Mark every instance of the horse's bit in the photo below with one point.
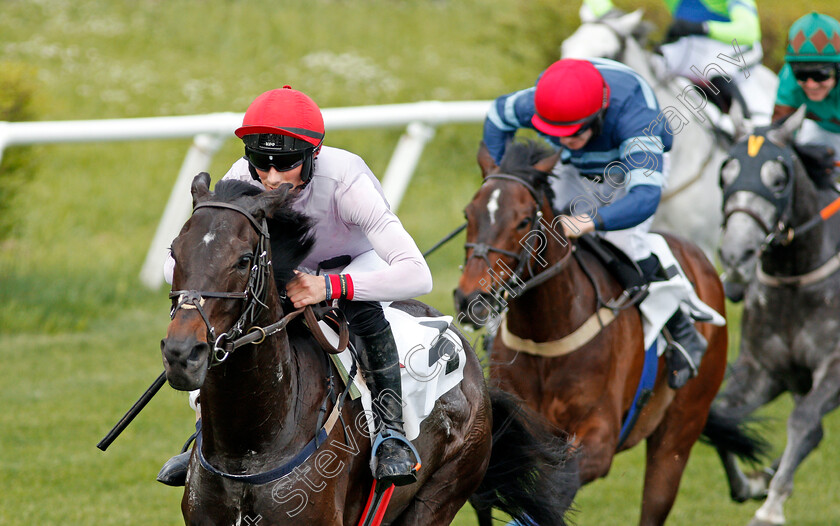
(254, 293)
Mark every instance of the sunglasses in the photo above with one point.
(282, 162)
(818, 74)
(595, 119)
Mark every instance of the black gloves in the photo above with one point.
(819, 163)
(683, 28)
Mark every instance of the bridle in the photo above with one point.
(524, 258)
(254, 293)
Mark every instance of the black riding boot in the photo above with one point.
(174, 472)
(394, 460)
(685, 350)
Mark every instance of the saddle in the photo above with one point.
(431, 357)
(629, 273)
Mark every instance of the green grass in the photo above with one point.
(78, 333)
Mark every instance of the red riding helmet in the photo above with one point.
(282, 128)
(571, 95)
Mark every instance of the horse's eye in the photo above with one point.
(524, 223)
(729, 171)
(244, 262)
(774, 177)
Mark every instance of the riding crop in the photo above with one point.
(131, 413)
(445, 239)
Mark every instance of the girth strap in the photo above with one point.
(565, 345)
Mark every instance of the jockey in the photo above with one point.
(701, 29)
(809, 76)
(283, 133)
(607, 121)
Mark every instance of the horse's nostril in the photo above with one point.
(197, 351)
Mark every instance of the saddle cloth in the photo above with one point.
(432, 362)
(665, 297)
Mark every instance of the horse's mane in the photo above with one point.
(519, 158)
(291, 231)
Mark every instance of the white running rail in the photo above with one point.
(210, 132)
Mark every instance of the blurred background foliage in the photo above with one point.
(79, 333)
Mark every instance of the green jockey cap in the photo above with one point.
(814, 38)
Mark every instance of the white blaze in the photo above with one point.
(493, 204)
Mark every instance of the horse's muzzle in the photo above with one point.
(185, 362)
(478, 308)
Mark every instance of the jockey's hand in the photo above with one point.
(576, 226)
(306, 289)
(683, 28)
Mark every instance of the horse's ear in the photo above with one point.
(626, 24)
(267, 203)
(743, 126)
(485, 160)
(784, 133)
(547, 165)
(200, 188)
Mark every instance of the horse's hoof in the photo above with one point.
(759, 522)
(759, 483)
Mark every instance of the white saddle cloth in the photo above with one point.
(665, 297)
(432, 362)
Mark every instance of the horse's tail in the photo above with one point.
(735, 435)
(532, 474)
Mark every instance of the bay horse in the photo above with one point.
(779, 242)
(588, 390)
(263, 407)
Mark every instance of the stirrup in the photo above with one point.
(396, 480)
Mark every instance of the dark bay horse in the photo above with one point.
(265, 453)
(776, 242)
(585, 391)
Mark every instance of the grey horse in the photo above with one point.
(775, 241)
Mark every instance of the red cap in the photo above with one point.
(569, 94)
(286, 112)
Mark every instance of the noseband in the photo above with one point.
(253, 295)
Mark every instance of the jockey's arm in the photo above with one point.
(638, 205)
(743, 25)
(407, 274)
(507, 114)
(642, 164)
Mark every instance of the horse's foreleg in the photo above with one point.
(805, 432)
(668, 449)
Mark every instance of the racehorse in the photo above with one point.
(777, 242)
(266, 388)
(589, 387)
(690, 202)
